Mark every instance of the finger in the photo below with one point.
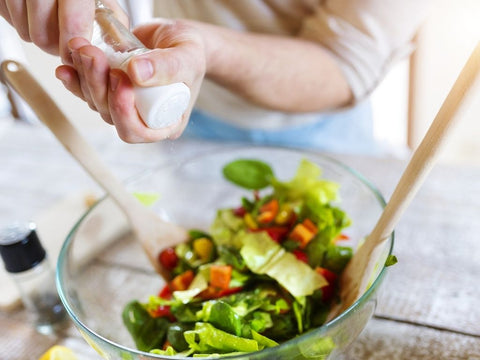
(75, 19)
(4, 12)
(43, 24)
(17, 17)
(130, 127)
(96, 76)
(121, 100)
(107, 118)
(178, 55)
(68, 76)
(75, 45)
(166, 66)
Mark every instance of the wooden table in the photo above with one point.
(430, 304)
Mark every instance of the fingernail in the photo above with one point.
(86, 61)
(114, 80)
(143, 69)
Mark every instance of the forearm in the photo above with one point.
(280, 73)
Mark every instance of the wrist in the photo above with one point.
(215, 46)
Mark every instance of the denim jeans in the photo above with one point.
(346, 131)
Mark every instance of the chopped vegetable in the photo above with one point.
(168, 258)
(391, 260)
(182, 281)
(220, 276)
(265, 272)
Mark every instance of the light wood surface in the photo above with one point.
(429, 305)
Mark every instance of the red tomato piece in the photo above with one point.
(165, 293)
(276, 233)
(168, 258)
(300, 255)
(240, 211)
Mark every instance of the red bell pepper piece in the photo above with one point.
(327, 290)
(163, 311)
(229, 291)
(341, 237)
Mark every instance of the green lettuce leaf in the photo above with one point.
(227, 229)
(205, 338)
(264, 256)
(307, 185)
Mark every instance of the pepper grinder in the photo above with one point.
(26, 261)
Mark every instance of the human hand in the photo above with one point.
(178, 56)
(50, 24)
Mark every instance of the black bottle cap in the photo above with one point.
(20, 247)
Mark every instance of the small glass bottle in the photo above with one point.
(26, 261)
(158, 106)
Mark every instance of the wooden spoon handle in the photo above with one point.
(50, 114)
(427, 152)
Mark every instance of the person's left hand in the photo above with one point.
(178, 56)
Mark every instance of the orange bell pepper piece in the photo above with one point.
(268, 212)
(304, 232)
(220, 276)
(182, 281)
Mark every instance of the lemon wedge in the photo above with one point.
(58, 352)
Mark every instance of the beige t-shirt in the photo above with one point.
(366, 37)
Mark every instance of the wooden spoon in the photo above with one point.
(153, 233)
(357, 275)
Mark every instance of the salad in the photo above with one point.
(265, 272)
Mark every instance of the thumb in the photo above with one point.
(177, 56)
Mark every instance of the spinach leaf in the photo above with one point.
(284, 327)
(223, 317)
(248, 173)
(175, 335)
(186, 312)
(147, 332)
(337, 257)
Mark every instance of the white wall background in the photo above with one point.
(445, 43)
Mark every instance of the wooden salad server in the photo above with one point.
(153, 232)
(357, 275)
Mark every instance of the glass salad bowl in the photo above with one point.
(102, 267)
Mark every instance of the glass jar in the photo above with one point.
(27, 263)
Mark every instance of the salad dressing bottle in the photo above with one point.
(159, 106)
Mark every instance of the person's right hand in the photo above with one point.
(50, 24)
